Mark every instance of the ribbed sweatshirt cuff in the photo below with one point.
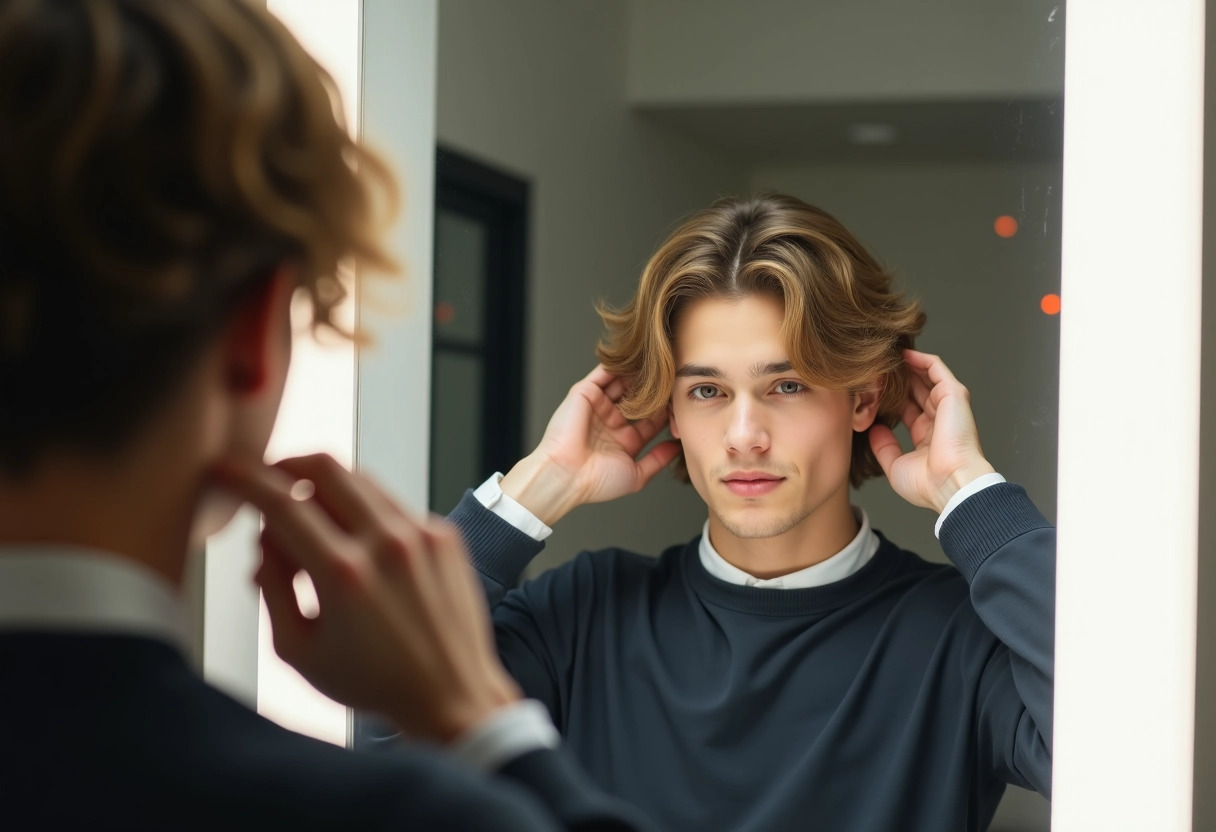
(499, 550)
(985, 522)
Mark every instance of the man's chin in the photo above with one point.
(758, 525)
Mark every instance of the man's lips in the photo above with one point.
(751, 483)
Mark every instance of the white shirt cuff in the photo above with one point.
(490, 495)
(974, 487)
(509, 733)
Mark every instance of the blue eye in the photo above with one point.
(790, 387)
(704, 391)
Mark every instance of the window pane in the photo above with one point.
(460, 268)
(456, 428)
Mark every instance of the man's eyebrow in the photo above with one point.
(698, 371)
(771, 368)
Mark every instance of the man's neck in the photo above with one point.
(822, 534)
(121, 506)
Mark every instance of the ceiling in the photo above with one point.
(1011, 130)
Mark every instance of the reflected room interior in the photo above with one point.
(589, 130)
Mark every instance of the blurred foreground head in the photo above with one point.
(160, 162)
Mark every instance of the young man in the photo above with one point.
(171, 173)
(789, 668)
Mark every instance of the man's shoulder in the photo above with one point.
(908, 571)
(156, 738)
(610, 567)
(629, 563)
(926, 596)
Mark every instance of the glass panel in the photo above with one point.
(456, 428)
(460, 268)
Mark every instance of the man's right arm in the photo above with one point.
(589, 453)
(401, 630)
(535, 627)
(502, 536)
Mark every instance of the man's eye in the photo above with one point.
(790, 387)
(704, 391)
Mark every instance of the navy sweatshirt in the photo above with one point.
(903, 697)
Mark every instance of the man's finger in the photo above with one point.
(647, 429)
(931, 365)
(615, 390)
(885, 446)
(288, 625)
(305, 531)
(600, 377)
(607, 410)
(454, 575)
(657, 458)
(333, 488)
(919, 390)
(354, 501)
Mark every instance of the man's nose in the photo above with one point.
(747, 431)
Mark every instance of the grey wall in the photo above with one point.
(538, 89)
(794, 51)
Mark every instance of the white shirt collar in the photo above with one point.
(838, 567)
(52, 587)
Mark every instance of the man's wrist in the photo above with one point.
(460, 714)
(965, 493)
(540, 487)
(958, 480)
(509, 732)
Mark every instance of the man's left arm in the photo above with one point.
(1006, 551)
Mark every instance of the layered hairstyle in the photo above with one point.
(158, 160)
(844, 325)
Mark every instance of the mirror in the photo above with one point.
(933, 131)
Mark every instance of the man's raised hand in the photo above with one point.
(589, 453)
(403, 628)
(946, 453)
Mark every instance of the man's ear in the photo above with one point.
(671, 421)
(865, 406)
(258, 335)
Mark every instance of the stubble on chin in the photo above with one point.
(762, 528)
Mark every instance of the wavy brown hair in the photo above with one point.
(158, 159)
(844, 324)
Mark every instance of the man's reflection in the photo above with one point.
(788, 667)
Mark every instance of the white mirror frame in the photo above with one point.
(1129, 416)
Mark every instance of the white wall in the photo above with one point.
(688, 52)
(537, 89)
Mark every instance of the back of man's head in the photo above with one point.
(158, 160)
(844, 324)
